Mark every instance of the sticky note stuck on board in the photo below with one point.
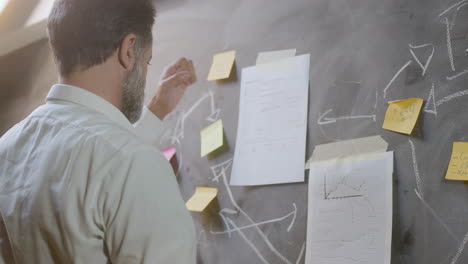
(403, 115)
(458, 166)
(221, 67)
(212, 138)
(169, 153)
(201, 198)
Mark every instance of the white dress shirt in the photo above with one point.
(77, 185)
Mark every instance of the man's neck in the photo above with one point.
(94, 80)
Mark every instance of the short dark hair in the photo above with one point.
(85, 33)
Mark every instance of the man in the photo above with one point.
(79, 183)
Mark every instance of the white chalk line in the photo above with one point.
(351, 117)
(301, 254)
(294, 218)
(434, 214)
(451, 78)
(179, 130)
(376, 99)
(329, 120)
(208, 95)
(320, 122)
(452, 7)
(255, 249)
(408, 63)
(419, 46)
(416, 169)
(462, 5)
(293, 213)
(224, 166)
(455, 15)
(451, 97)
(224, 218)
(431, 100)
(461, 247)
(449, 45)
(259, 231)
(352, 82)
(326, 136)
(426, 65)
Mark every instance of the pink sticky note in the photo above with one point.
(169, 153)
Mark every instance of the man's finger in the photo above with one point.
(192, 70)
(183, 65)
(175, 67)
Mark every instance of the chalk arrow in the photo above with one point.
(232, 229)
(428, 60)
(214, 116)
(329, 120)
(178, 133)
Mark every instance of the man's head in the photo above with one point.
(114, 36)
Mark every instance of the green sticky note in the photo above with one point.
(212, 138)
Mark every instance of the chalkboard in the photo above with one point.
(363, 54)
(361, 57)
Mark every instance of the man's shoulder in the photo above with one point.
(68, 122)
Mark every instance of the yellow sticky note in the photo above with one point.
(212, 138)
(201, 198)
(222, 65)
(458, 166)
(402, 115)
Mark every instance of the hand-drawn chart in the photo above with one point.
(350, 210)
(342, 186)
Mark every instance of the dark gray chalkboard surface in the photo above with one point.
(363, 54)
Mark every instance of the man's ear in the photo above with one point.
(126, 53)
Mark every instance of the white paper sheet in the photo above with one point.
(272, 56)
(350, 210)
(271, 135)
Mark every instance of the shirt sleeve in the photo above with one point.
(149, 127)
(145, 218)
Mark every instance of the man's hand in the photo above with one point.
(174, 81)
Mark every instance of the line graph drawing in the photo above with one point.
(342, 187)
(353, 227)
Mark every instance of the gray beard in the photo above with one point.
(133, 94)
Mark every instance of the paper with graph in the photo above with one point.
(350, 210)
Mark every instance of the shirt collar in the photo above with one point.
(76, 95)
